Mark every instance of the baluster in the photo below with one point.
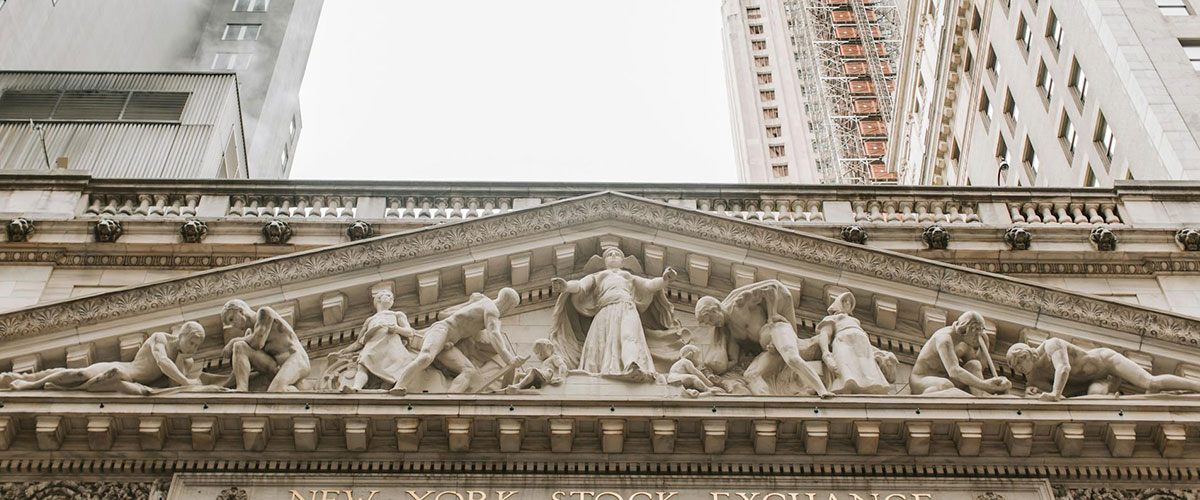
(923, 214)
(349, 206)
(1110, 214)
(905, 214)
(719, 206)
(393, 208)
(440, 207)
(860, 211)
(237, 207)
(287, 206)
(1077, 214)
(972, 215)
(472, 208)
(704, 205)
(126, 206)
(1031, 215)
(160, 205)
(939, 211)
(317, 207)
(505, 205)
(1045, 210)
(456, 208)
(333, 205)
(95, 206)
(1061, 214)
(814, 211)
(1094, 215)
(1016, 212)
(954, 216)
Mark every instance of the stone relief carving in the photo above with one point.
(774, 241)
(107, 230)
(163, 364)
(614, 323)
(193, 231)
(550, 370)
(1064, 493)
(359, 230)
(856, 366)
(936, 237)
(1188, 239)
(19, 229)
(685, 374)
(990, 496)
(454, 341)
(384, 345)
(951, 362)
(855, 234)
(759, 319)
(1018, 238)
(1104, 239)
(269, 346)
(233, 493)
(277, 232)
(1056, 369)
(79, 490)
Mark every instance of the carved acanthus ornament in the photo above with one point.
(1064, 493)
(80, 490)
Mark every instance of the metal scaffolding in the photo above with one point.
(845, 50)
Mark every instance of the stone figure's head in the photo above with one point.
(383, 300)
(708, 312)
(843, 303)
(1020, 358)
(543, 348)
(19, 229)
(613, 258)
(970, 327)
(689, 352)
(237, 314)
(887, 363)
(507, 299)
(191, 335)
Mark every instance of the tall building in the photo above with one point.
(1050, 93)
(265, 42)
(811, 85)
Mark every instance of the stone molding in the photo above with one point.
(84, 490)
(429, 241)
(1066, 493)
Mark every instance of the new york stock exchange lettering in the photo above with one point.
(372, 494)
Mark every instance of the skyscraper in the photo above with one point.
(811, 85)
(1050, 93)
(266, 42)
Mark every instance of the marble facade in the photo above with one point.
(861, 312)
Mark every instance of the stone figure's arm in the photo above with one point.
(574, 286)
(263, 326)
(495, 336)
(692, 369)
(1061, 360)
(158, 348)
(825, 333)
(651, 284)
(558, 369)
(945, 350)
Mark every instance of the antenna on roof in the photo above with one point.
(45, 152)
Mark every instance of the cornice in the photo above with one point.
(431, 241)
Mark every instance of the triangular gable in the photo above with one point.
(1039, 300)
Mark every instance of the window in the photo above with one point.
(292, 128)
(992, 64)
(1002, 152)
(779, 170)
(1068, 134)
(231, 60)
(1090, 180)
(976, 19)
(250, 5)
(753, 13)
(283, 159)
(241, 32)
(1105, 139)
(92, 105)
(1031, 158)
(1192, 49)
(985, 105)
(1045, 82)
(1024, 34)
(970, 61)
(1079, 82)
(1054, 31)
(1010, 108)
(1173, 8)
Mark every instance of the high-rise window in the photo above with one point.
(1173, 7)
(231, 60)
(1054, 31)
(1031, 158)
(1068, 134)
(1091, 180)
(1010, 108)
(1045, 82)
(985, 105)
(1024, 34)
(241, 32)
(1192, 49)
(1105, 139)
(992, 63)
(283, 159)
(1002, 152)
(250, 5)
(1079, 81)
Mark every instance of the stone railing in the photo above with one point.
(80, 196)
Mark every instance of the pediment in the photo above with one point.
(900, 296)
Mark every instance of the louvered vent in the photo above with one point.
(155, 106)
(28, 104)
(92, 105)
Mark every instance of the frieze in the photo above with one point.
(81, 490)
(436, 240)
(1064, 493)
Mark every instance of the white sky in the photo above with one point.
(522, 90)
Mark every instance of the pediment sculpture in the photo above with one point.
(612, 325)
